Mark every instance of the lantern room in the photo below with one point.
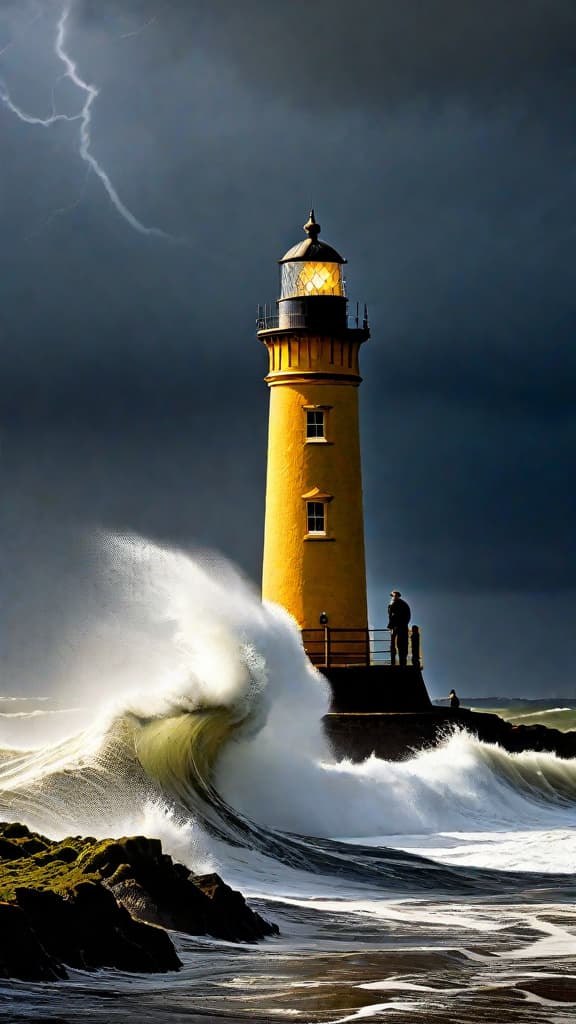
(312, 287)
(311, 267)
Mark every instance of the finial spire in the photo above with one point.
(311, 228)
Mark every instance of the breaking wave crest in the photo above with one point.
(207, 731)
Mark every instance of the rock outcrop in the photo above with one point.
(395, 736)
(156, 890)
(88, 903)
(21, 953)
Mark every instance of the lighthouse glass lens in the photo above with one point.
(301, 279)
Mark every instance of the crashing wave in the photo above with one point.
(214, 742)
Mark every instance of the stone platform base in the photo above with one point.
(377, 688)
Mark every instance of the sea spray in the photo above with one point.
(210, 713)
(177, 652)
(460, 785)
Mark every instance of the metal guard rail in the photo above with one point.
(328, 647)
(273, 321)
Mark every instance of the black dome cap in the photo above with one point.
(312, 249)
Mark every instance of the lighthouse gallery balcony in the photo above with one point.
(327, 647)
(269, 318)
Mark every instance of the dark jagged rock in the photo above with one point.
(87, 929)
(396, 736)
(228, 906)
(22, 955)
(15, 830)
(91, 903)
(157, 890)
(10, 851)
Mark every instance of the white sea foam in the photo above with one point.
(171, 636)
(464, 784)
(543, 711)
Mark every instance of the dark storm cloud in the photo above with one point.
(332, 54)
(436, 140)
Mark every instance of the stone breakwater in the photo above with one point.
(86, 903)
(395, 736)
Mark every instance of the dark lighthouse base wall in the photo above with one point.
(377, 688)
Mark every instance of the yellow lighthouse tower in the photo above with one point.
(314, 562)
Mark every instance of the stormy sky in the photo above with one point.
(436, 140)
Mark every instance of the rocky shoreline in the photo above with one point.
(86, 903)
(395, 736)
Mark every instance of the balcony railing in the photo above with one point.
(267, 320)
(327, 647)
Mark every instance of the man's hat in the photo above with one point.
(395, 593)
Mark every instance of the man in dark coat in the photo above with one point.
(398, 620)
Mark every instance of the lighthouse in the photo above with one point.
(314, 561)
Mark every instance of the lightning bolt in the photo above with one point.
(91, 93)
(44, 122)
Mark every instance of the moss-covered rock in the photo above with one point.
(91, 903)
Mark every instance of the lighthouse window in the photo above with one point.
(315, 423)
(316, 516)
(309, 278)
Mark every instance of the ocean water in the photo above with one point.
(553, 714)
(440, 889)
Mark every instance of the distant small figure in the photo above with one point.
(454, 699)
(398, 621)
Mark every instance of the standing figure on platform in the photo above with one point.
(398, 621)
(454, 700)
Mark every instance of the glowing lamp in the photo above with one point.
(311, 278)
